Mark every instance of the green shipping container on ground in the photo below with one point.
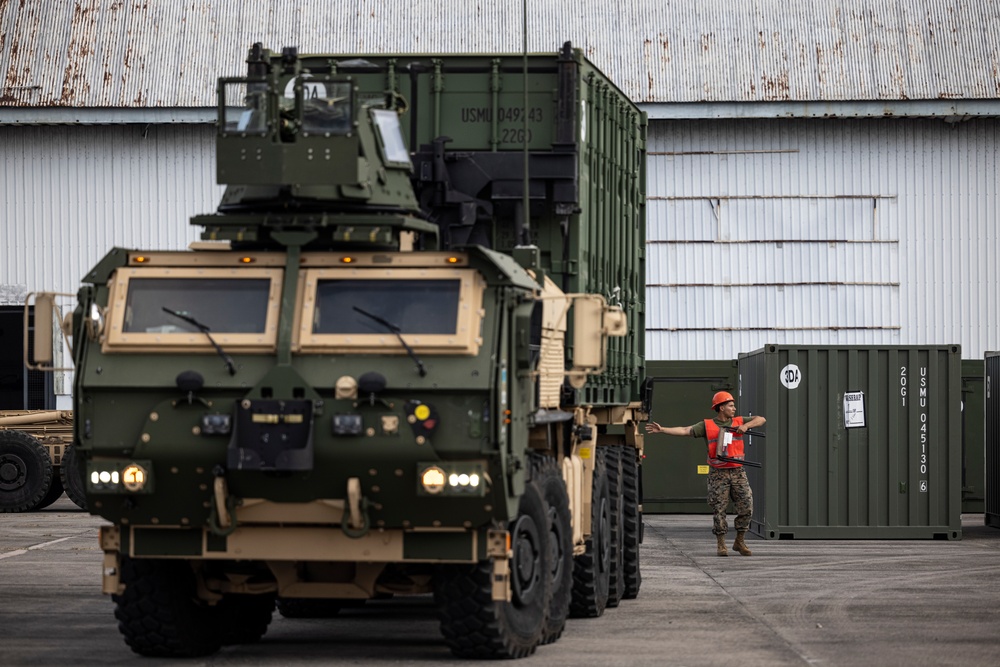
(861, 442)
(973, 436)
(675, 470)
(992, 462)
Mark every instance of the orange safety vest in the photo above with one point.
(735, 450)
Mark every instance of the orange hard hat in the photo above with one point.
(720, 398)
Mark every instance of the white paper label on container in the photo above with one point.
(854, 409)
(791, 376)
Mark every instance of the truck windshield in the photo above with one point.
(223, 305)
(326, 107)
(415, 306)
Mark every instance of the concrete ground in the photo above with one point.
(792, 603)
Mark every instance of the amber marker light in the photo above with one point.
(433, 480)
(347, 260)
(247, 260)
(452, 260)
(134, 477)
(141, 259)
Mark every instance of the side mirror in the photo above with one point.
(45, 307)
(593, 322)
(42, 308)
(588, 332)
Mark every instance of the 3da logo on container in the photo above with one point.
(791, 376)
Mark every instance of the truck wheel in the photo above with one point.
(55, 490)
(633, 522)
(159, 615)
(243, 619)
(473, 625)
(71, 475)
(25, 472)
(616, 583)
(546, 472)
(591, 570)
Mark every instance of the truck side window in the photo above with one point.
(390, 135)
(245, 108)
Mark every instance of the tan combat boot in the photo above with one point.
(722, 551)
(740, 545)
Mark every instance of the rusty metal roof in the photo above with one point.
(142, 54)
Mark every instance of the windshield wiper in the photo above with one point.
(396, 330)
(205, 330)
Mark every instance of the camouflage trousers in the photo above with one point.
(725, 484)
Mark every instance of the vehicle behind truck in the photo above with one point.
(391, 364)
(37, 460)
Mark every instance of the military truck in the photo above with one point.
(390, 365)
(37, 460)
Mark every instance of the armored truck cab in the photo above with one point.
(390, 365)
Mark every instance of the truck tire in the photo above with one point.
(548, 475)
(71, 475)
(633, 521)
(55, 490)
(473, 625)
(616, 582)
(25, 472)
(243, 619)
(159, 615)
(591, 570)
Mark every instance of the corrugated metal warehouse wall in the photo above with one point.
(765, 231)
(841, 232)
(69, 194)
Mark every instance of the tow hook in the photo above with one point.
(357, 522)
(221, 519)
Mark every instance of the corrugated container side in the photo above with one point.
(861, 442)
(752, 398)
(992, 511)
(973, 436)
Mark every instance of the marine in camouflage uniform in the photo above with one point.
(725, 484)
(726, 480)
(730, 484)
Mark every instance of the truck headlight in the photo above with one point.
(121, 476)
(461, 478)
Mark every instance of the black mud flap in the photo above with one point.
(272, 435)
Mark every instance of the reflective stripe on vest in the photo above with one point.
(712, 432)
